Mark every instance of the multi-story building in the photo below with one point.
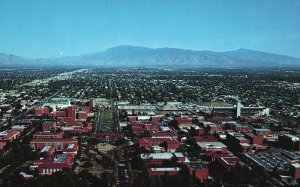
(8, 136)
(237, 111)
(289, 142)
(160, 158)
(170, 144)
(52, 164)
(183, 122)
(48, 135)
(199, 170)
(58, 143)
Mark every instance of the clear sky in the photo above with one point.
(52, 28)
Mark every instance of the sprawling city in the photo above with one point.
(149, 93)
(150, 127)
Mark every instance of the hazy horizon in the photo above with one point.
(93, 52)
(43, 29)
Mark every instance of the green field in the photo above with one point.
(107, 120)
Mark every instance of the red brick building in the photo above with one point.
(212, 147)
(262, 132)
(52, 164)
(49, 125)
(213, 128)
(141, 127)
(295, 170)
(200, 131)
(253, 138)
(160, 158)
(163, 134)
(228, 163)
(252, 120)
(132, 118)
(71, 149)
(170, 144)
(156, 118)
(76, 127)
(6, 136)
(241, 128)
(107, 136)
(183, 122)
(238, 143)
(71, 114)
(48, 135)
(9, 135)
(59, 143)
(199, 170)
(41, 111)
(205, 139)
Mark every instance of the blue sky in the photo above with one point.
(52, 28)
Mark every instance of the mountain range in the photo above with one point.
(135, 56)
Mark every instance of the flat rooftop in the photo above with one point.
(45, 149)
(231, 161)
(160, 155)
(165, 169)
(61, 158)
(196, 165)
(211, 144)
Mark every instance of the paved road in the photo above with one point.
(27, 134)
(122, 175)
(1, 171)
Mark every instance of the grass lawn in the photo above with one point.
(95, 169)
(107, 120)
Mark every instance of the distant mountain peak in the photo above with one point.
(122, 47)
(138, 56)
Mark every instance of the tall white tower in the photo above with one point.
(238, 108)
